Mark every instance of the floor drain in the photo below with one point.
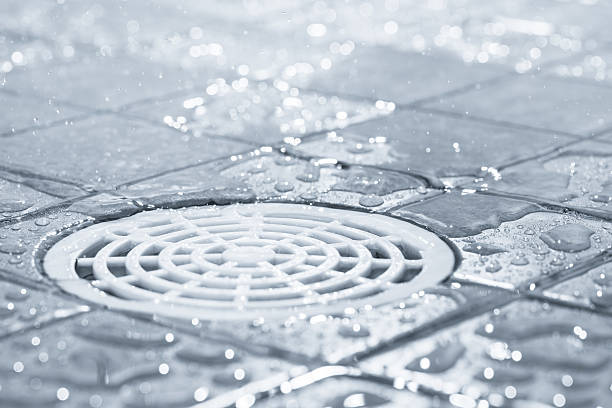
(248, 261)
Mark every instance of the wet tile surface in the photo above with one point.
(430, 143)
(119, 151)
(25, 113)
(415, 76)
(487, 125)
(536, 101)
(275, 112)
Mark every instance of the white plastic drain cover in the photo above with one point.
(248, 261)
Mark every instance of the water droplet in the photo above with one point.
(15, 260)
(17, 295)
(483, 249)
(257, 169)
(493, 266)
(310, 175)
(442, 358)
(568, 238)
(283, 187)
(231, 377)
(602, 297)
(41, 222)
(520, 260)
(504, 375)
(603, 279)
(541, 250)
(285, 161)
(13, 249)
(357, 399)
(371, 201)
(309, 196)
(601, 198)
(359, 148)
(11, 206)
(353, 330)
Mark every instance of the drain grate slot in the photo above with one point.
(247, 261)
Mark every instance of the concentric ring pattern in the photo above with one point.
(248, 261)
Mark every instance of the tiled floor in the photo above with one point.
(489, 124)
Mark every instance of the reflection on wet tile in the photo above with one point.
(17, 199)
(26, 306)
(22, 241)
(510, 358)
(26, 113)
(274, 176)
(537, 101)
(120, 361)
(585, 167)
(536, 245)
(337, 338)
(257, 112)
(460, 215)
(347, 392)
(116, 150)
(595, 66)
(414, 76)
(591, 289)
(123, 80)
(430, 143)
(533, 178)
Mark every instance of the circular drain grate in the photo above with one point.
(248, 261)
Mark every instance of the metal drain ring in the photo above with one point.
(248, 261)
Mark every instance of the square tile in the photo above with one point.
(526, 353)
(401, 77)
(575, 175)
(118, 355)
(18, 199)
(103, 82)
(25, 113)
(106, 150)
(431, 144)
(256, 112)
(508, 243)
(542, 102)
(273, 176)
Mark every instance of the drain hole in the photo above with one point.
(92, 250)
(367, 228)
(377, 253)
(118, 270)
(152, 250)
(375, 273)
(336, 288)
(148, 266)
(346, 264)
(409, 252)
(156, 223)
(84, 272)
(216, 221)
(301, 216)
(408, 275)
(347, 232)
(181, 237)
(282, 229)
(200, 216)
(123, 249)
(165, 231)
